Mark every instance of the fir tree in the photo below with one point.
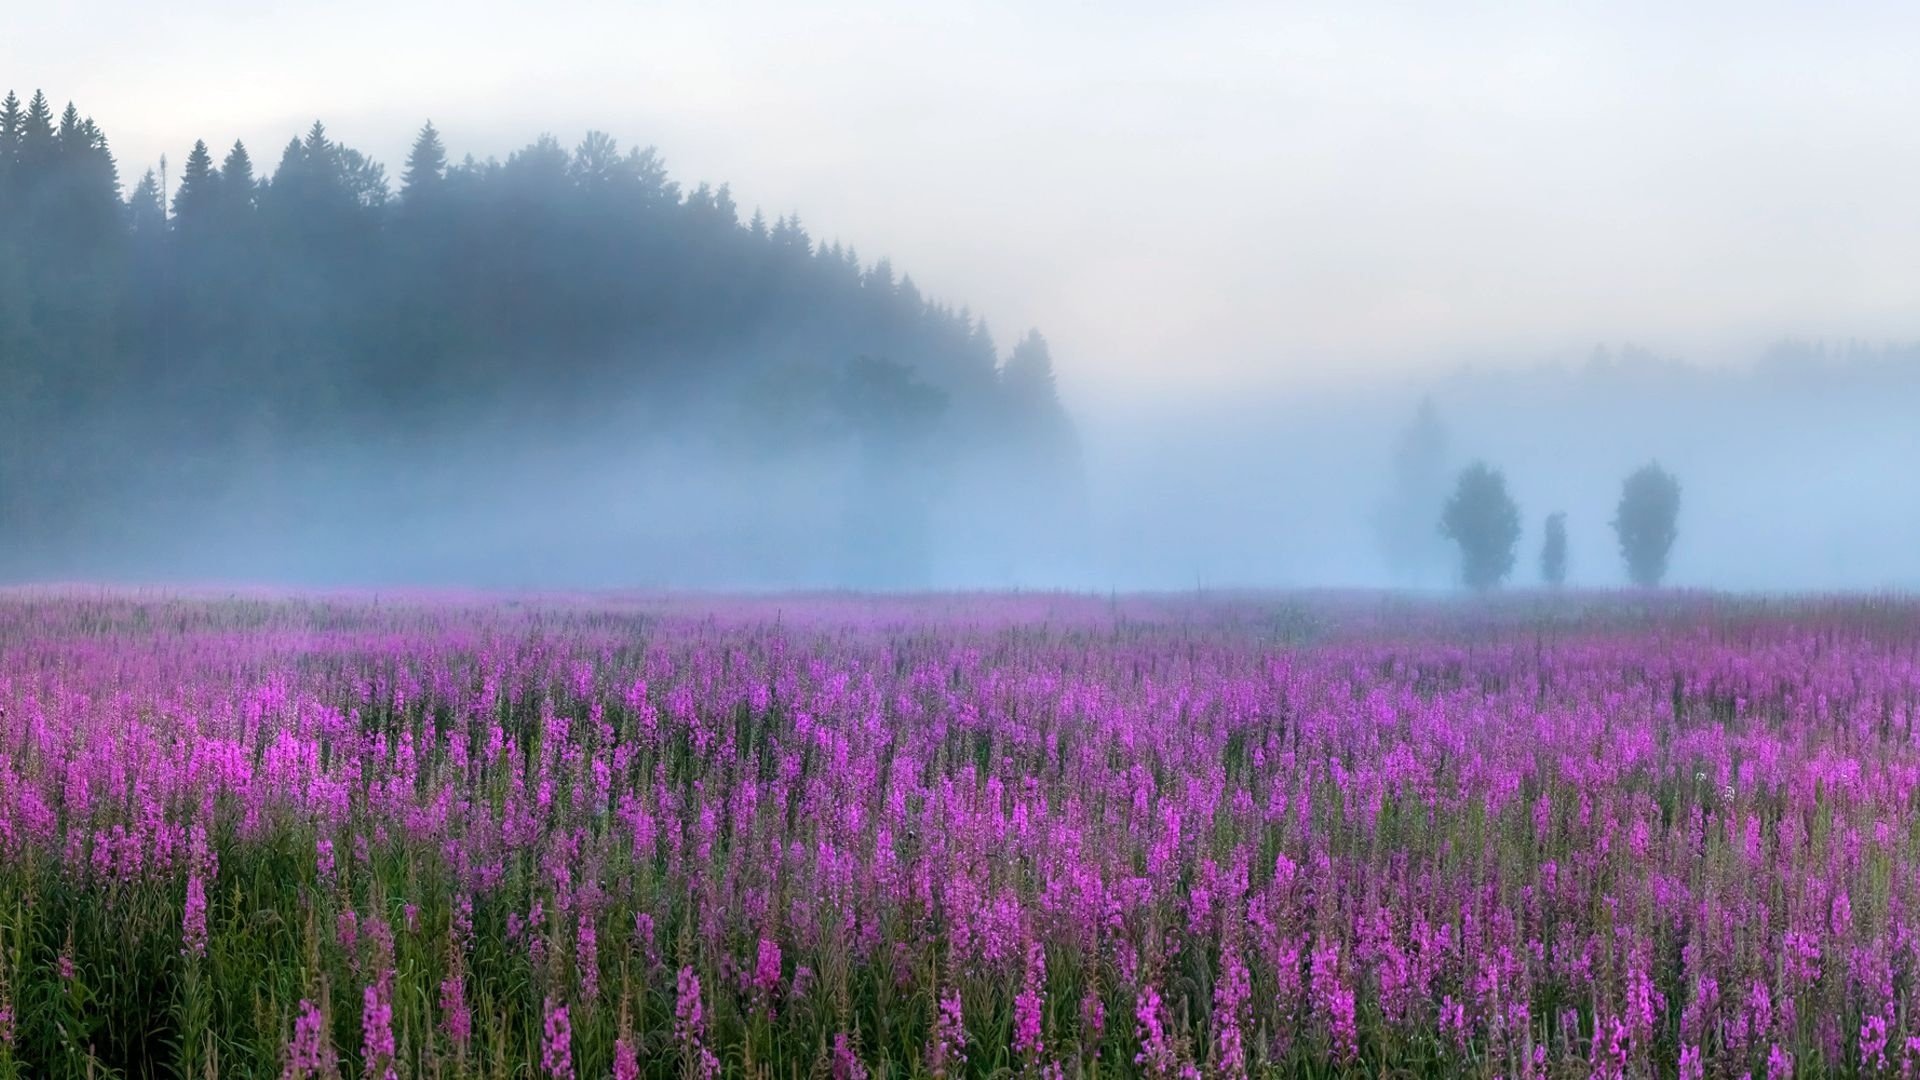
(37, 143)
(198, 196)
(426, 163)
(144, 214)
(12, 120)
(236, 179)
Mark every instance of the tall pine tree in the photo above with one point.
(426, 164)
(195, 204)
(236, 181)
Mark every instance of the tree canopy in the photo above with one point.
(1646, 523)
(1482, 519)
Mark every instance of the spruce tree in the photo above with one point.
(426, 164)
(12, 118)
(74, 140)
(144, 216)
(37, 145)
(199, 195)
(236, 179)
(1028, 374)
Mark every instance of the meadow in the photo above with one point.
(282, 835)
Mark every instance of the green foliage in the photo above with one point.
(1482, 519)
(1646, 523)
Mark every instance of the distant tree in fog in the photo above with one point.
(1404, 523)
(1039, 469)
(1553, 551)
(195, 202)
(1646, 523)
(426, 163)
(1483, 520)
(892, 414)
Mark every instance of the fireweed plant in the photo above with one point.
(1036, 836)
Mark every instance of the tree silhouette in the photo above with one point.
(144, 213)
(172, 367)
(36, 136)
(236, 172)
(891, 413)
(426, 163)
(1553, 551)
(1646, 523)
(1482, 519)
(1404, 523)
(195, 203)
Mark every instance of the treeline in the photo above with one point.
(170, 355)
(1802, 460)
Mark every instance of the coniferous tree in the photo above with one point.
(72, 136)
(303, 315)
(12, 119)
(144, 215)
(426, 163)
(195, 203)
(237, 182)
(36, 134)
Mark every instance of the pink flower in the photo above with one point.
(1028, 1006)
(377, 1048)
(690, 1026)
(556, 1047)
(1159, 1057)
(947, 1050)
(193, 921)
(586, 951)
(309, 1053)
(626, 1060)
(766, 969)
(1230, 997)
(846, 1064)
(456, 1018)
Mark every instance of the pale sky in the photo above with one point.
(1204, 195)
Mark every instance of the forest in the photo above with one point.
(316, 371)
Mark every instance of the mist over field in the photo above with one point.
(1797, 472)
(1153, 312)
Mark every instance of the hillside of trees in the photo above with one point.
(316, 371)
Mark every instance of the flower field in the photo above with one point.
(1049, 836)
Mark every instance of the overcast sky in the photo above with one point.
(1181, 195)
